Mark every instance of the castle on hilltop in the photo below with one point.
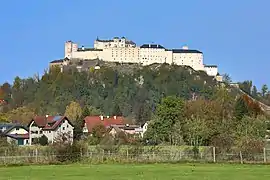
(123, 50)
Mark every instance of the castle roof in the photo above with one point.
(185, 51)
(100, 40)
(59, 60)
(89, 49)
(156, 46)
(210, 66)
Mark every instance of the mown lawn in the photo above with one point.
(137, 172)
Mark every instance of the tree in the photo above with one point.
(241, 108)
(225, 99)
(250, 134)
(264, 90)
(168, 112)
(98, 133)
(254, 92)
(43, 140)
(17, 92)
(3, 117)
(73, 111)
(85, 112)
(226, 79)
(246, 86)
(196, 130)
(136, 90)
(22, 115)
(94, 111)
(116, 110)
(203, 119)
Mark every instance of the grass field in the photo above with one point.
(137, 172)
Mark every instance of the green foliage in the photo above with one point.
(116, 110)
(168, 112)
(241, 108)
(66, 152)
(264, 90)
(93, 111)
(246, 86)
(254, 92)
(43, 140)
(85, 112)
(250, 134)
(135, 90)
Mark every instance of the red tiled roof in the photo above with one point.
(48, 123)
(2, 101)
(92, 121)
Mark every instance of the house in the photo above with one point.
(129, 129)
(50, 126)
(91, 121)
(15, 133)
(126, 128)
(144, 128)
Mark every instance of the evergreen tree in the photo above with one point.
(241, 108)
(116, 110)
(254, 92)
(264, 90)
(85, 112)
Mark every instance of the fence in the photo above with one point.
(133, 155)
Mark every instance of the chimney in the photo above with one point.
(114, 117)
(101, 118)
(185, 47)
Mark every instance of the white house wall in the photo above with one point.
(64, 127)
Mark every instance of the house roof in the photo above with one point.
(156, 46)
(126, 127)
(18, 136)
(15, 126)
(48, 123)
(92, 121)
(9, 127)
(2, 101)
(5, 126)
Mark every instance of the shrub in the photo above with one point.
(43, 140)
(69, 152)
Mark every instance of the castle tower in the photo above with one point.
(70, 47)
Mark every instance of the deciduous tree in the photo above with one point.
(73, 111)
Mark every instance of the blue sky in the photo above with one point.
(233, 34)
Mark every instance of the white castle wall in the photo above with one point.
(123, 50)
